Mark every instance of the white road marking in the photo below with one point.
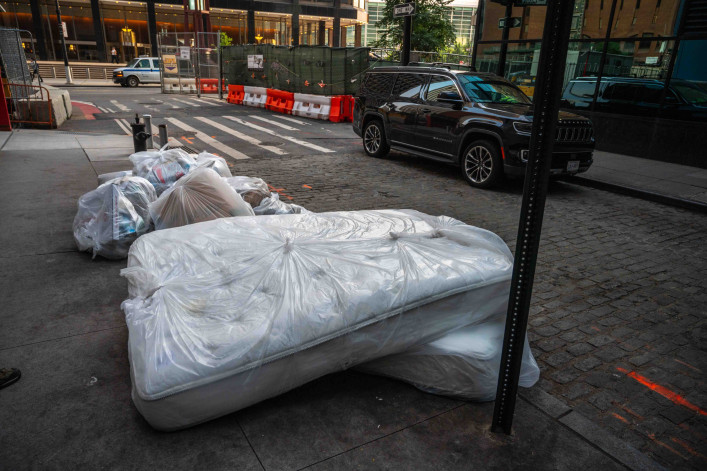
(102, 109)
(209, 140)
(240, 135)
(283, 126)
(185, 102)
(297, 121)
(110, 110)
(205, 102)
(124, 127)
(272, 133)
(121, 107)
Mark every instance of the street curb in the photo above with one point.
(675, 201)
(597, 436)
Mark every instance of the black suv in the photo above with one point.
(478, 121)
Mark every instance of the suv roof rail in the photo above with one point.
(441, 65)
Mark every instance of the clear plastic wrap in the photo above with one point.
(256, 193)
(200, 196)
(112, 216)
(162, 167)
(106, 177)
(230, 312)
(214, 162)
(463, 363)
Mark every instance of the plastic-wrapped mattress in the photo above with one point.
(238, 310)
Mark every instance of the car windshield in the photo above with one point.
(482, 91)
(133, 63)
(691, 94)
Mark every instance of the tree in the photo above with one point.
(226, 40)
(431, 28)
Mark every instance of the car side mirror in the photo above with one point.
(450, 97)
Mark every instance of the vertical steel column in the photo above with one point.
(501, 66)
(151, 26)
(63, 43)
(336, 30)
(321, 34)
(553, 56)
(99, 31)
(478, 31)
(41, 44)
(250, 26)
(407, 33)
(295, 23)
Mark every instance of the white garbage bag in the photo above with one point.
(112, 216)
(162, 167)
(214, 162)
(273, 205)
(200, 196)
(257, 193)
(463, 364)
(106, 177)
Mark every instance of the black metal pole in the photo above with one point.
(501, 67)
(63, 43)
(407, 33)
(553, 56)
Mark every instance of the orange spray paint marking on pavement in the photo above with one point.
(280, 191)
(688, 365)
(307, 186)
(687, 447)
(621, 418)
(596, 328)
(663, 391)
(666, 446)
(636, 415)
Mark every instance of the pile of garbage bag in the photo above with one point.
(257, 194)
(162, 167)
(112, 216)
(214, 162)
(200, 196)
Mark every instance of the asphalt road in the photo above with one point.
(618, 316)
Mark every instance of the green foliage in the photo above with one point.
(459, 48)
(226, 40)
(431, 28)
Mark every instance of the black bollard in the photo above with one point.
(139, 135)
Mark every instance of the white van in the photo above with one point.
(139, 70)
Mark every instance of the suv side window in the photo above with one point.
(439, 84)
(379, 84)
(583, 89)
(155, 63)
(143, 64)
(408, 86)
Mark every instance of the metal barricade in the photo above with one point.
(30, 104)
(186, 59)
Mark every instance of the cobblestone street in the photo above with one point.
(618, 317)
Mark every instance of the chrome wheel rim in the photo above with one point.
(372, 139)
(478, 164)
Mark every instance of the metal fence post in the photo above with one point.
(164, 139)
(147, 118)
(553, 56)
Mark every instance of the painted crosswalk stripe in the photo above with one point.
(186, 102)
(120, 106)
(110, 110)
(209, 140)
(273, 133)
(240, 135)
(283, 126)
(292, 120)
(123, 125)
(102, 109)
(205, 102)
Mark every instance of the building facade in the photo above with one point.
(459, 12)
(95, 27)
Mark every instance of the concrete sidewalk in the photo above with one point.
(63, 327)
(663, 178)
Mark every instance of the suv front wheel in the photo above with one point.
(374, 141)
(133, 81)
(481, 164)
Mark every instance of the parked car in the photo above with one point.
(641, 97)
(139, 70)
(478, 121)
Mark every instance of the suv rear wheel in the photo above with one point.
(374, 141)
(133, 81)
(481, 164)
